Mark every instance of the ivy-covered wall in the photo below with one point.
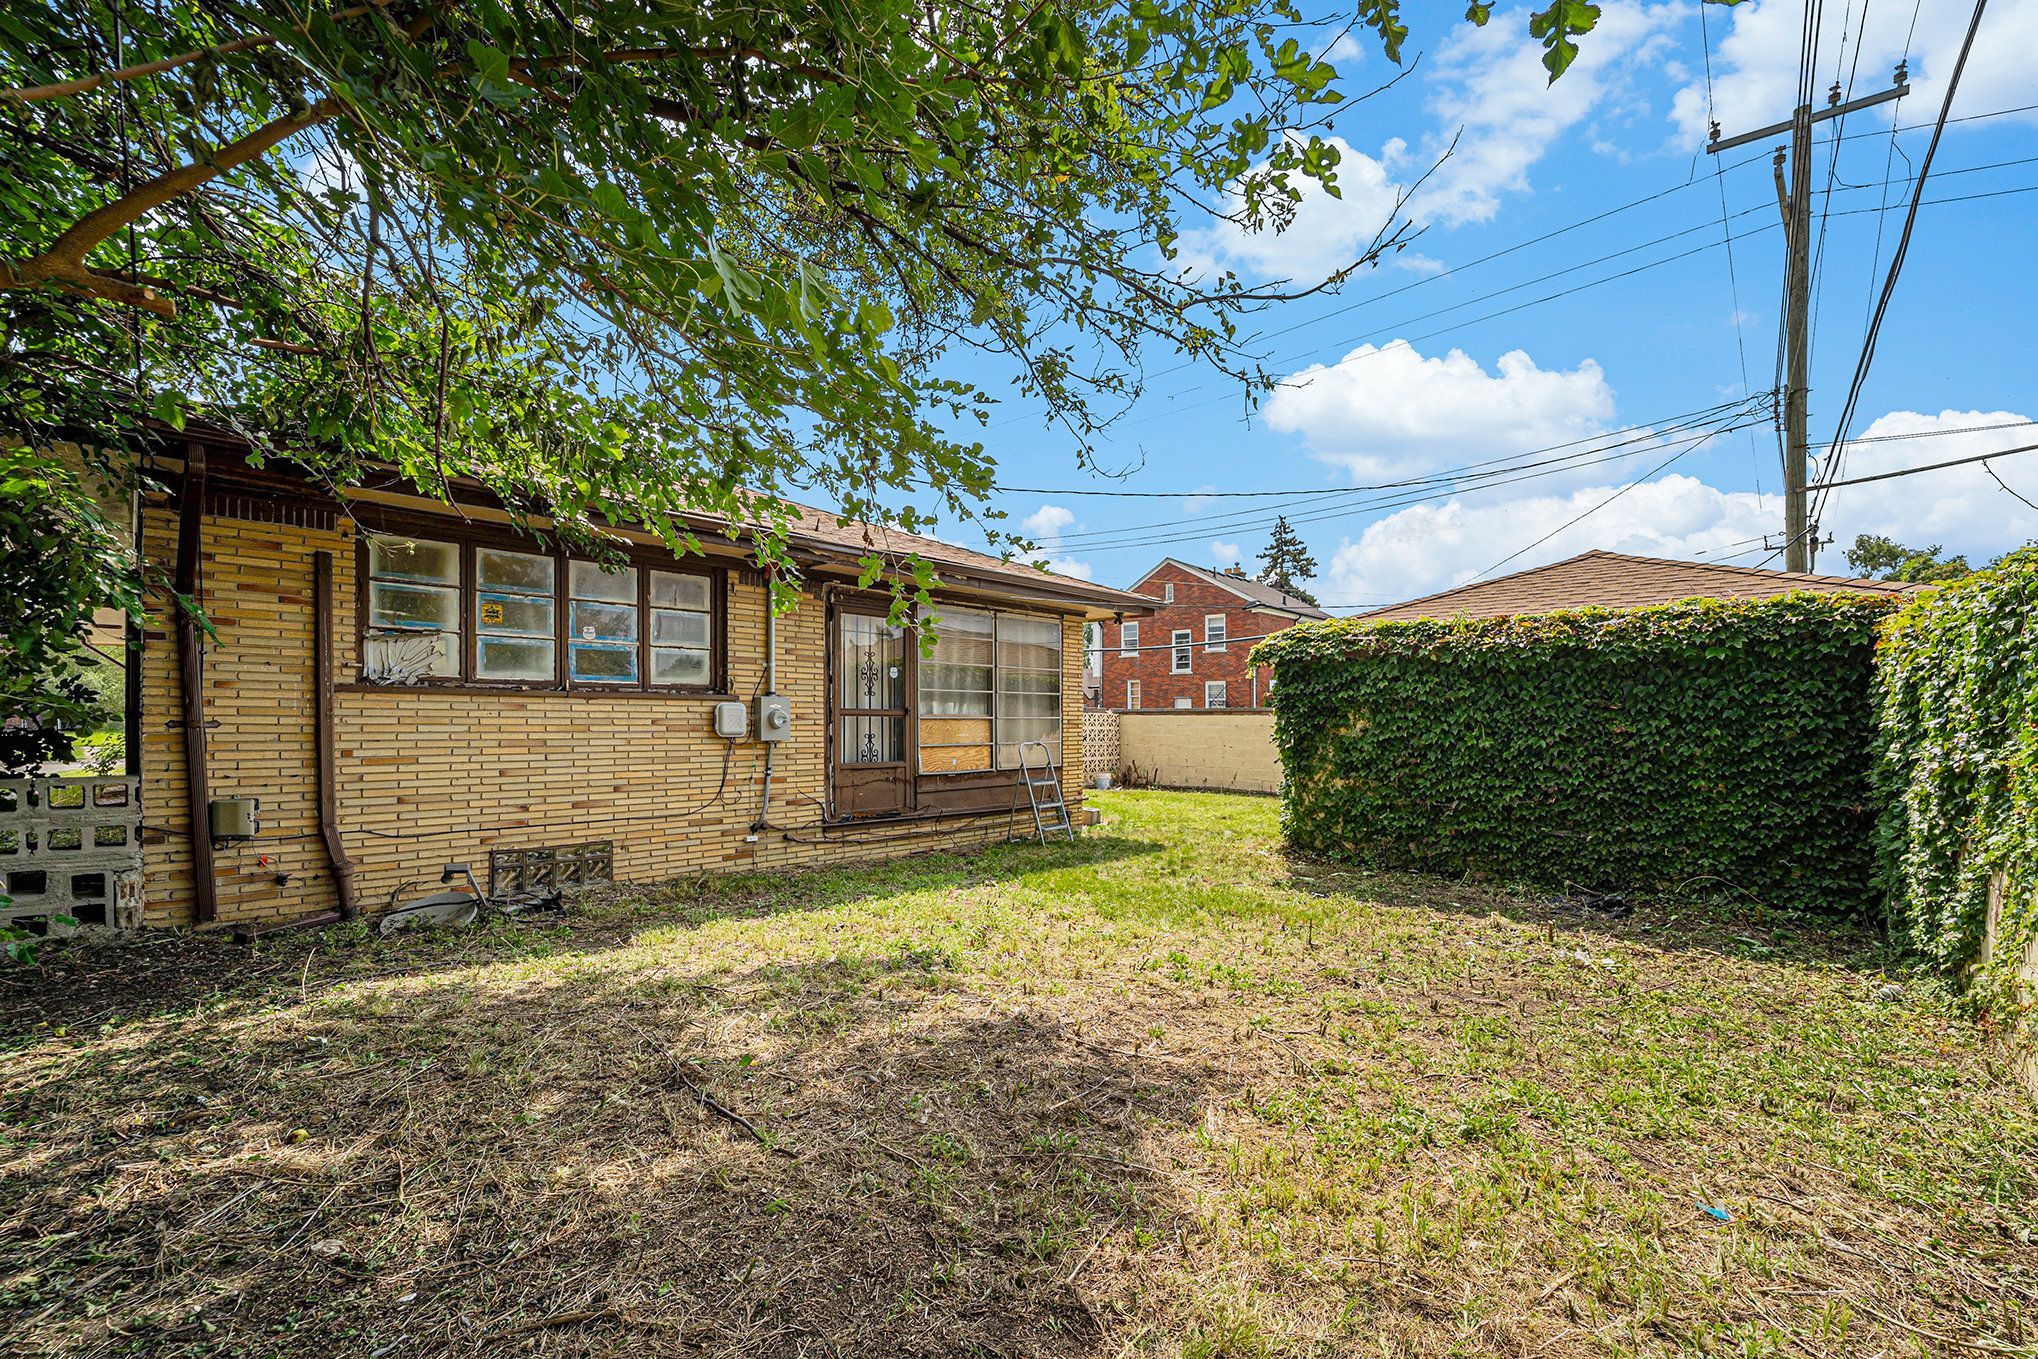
(1710, 745)
(1957, 778)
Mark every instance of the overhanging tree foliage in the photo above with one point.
(631, 259)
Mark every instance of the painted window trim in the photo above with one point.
(1223, 694)
(1182, 653)
(1132, 695)
(470, 542)
(1128, 639)
(1167, 592)
(1223, 633)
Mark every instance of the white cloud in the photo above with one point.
(1493, 85)
(1961, 508)
(1047, 522)
(1326, 234)
(1755, 63)
(1045, 527)
(1426, 548)
(1224, 554)
(1387, 408)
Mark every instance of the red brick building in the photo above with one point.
(1184, 655)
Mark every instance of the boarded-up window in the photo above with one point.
(956, 686)
(413, 609)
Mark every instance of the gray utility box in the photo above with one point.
(234, 818)
(732, 721)
(774, 718)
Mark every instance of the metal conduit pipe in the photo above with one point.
(770, 687)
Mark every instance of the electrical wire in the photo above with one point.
(1896, 264)
(1927, 467)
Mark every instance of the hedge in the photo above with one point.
(1715, 745)
(1957, 774)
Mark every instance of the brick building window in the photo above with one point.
(413, 610)
(1213, 694)
(1128, 639)
(1132, 694)
(1168, 593)
(1213, 632)
(1184, 652)
(424, 597)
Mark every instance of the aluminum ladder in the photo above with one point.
(1043, 794)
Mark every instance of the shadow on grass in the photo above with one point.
(511, 1160)
(1706, 921)
(160, 973)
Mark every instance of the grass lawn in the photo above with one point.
(1164, 1092)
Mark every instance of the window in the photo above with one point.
(1213, 694)
(1128, 639)
(1132, 694)
(413, 626)
(957, 682)
(601, 624)
(1185, 702)
(682, 629)
(1029, 685)
(1168, 593)
(1213, 632)
(1183, 652)
(1093, 648)
(536, 618)
(515, 624)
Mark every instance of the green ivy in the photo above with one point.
(1957, 701)
(1718, 746)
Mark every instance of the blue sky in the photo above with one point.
(1383, 385)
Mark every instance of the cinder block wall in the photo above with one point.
(425, 777)
(1201, 748)
(1101, 753)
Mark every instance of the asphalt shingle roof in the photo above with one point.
(1616, 580)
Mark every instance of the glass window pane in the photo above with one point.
(603, 622)
(678, 665)
(669, 627)
(871, 659)
(413, 559)
(516, 615)
(670, 590)
(873, 740)
(598, 664)
(590, 581)
(512, 572)
(413, 606)
(514, 658)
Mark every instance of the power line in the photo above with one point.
(1580, 518)
(1927, 467)
(1896, 260)
(1454, 270)
(1503, 474)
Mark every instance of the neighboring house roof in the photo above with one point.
(1257, 593)
(1616, 580)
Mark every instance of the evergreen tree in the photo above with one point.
(1286, 563)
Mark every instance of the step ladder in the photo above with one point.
(1043, 795)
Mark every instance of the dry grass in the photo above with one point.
(1162, 1093)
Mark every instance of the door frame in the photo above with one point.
(908, 767)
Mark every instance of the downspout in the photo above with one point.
(322, 728)
(770, 688)
(188, 581)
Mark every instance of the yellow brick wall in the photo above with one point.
(426, 777)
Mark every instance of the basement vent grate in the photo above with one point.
(560, 867)
(262, 509)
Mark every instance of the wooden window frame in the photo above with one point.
(469, 540)
(1132, 695)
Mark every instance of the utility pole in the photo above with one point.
(1795, 199)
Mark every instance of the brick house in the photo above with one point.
(393, 680)
(1183, 655)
